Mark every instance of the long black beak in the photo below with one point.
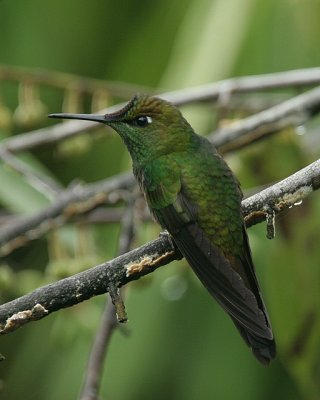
(87, 117)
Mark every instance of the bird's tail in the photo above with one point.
(263, 349)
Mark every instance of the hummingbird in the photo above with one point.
(193, 194)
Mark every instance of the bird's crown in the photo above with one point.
(139, 105)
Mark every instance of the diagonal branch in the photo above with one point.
(38, 180)
(76, 200)
(84, 285)
(147, 258)
(293, 112)
(283, 195)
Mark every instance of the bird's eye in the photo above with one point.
(143, 120)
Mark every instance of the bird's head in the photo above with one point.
(149, 126)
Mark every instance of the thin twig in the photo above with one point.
(90, 389)
(143, 260)
(246, 84)
(102, 339)
(76, 200)
(62, 80)
(209, 92)
(293, 112)
(49, 135)
(44, 184)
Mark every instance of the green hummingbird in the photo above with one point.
(193, 194)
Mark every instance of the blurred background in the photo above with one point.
(178, 344)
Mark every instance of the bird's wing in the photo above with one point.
(241, 301)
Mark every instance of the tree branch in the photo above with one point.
(283, 195)
(76, 200)
(246, 84)
(84, 285)
(43, 183)
(293, 112)
(63, 80)
(208, 92)
(144, 260)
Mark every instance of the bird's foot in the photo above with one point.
(270, 221)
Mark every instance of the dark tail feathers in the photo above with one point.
(263, 349)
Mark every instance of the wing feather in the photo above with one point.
(235, 287)
(222, 282)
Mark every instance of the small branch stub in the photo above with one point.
(118, 303)
(23, 317)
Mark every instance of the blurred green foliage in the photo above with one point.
(184, 348)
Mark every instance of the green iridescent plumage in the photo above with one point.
(193, 194)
